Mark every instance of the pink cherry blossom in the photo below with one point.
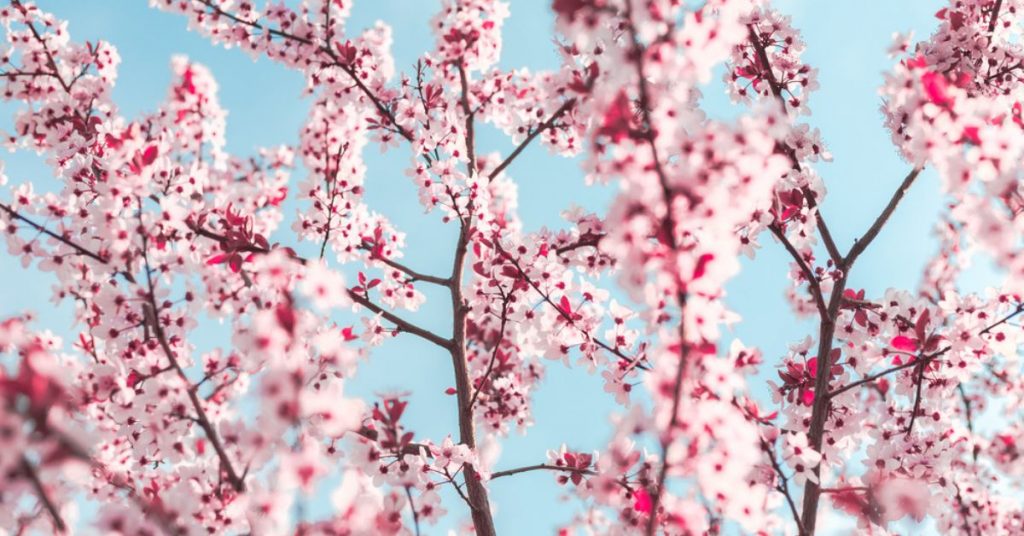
(902, 406)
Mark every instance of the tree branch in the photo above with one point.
(540, 467)
(325, 49)
(783, 486)
(399, 322)
(776, 88)
(867, 379)
(413, 274)
(548, 123)
(44, 498)
(995, 16)
(860, 245)
(812, 281)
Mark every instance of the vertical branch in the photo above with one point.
(668, 225)
(995, 16)
(477, 492)
(479, 502)
(152, 315)
(822, 402)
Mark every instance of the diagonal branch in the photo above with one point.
(399, 322)
(860, 245)
(540, 467)
(867, 379)
(44, 498)
(783, 485)
(812, 281)
(321, 48)
(79, 249)
(776, 88)
(548, 123)
(413, 274)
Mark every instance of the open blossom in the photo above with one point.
(801, 457)
(324, 287)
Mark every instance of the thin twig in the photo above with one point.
(783, 486)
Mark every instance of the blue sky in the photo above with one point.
(846, 42)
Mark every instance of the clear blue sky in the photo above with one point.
(846, 42)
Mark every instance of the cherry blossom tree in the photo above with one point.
(873, 416)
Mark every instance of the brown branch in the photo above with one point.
(783, 486)
(860, 245)
(42, 42)
(331, 183)
(412, 507)
(399, 322)
(822, 402)
(917, 397)
(812, 281)
(548, 123)
(480, 507)
(325, 49)
(413, 274)
(632, 361)
(66, 241)
(469, 122)
(236, 481)
(995, 16)
(826, 235)
(494, 353)
(925, 359)
(586, 240)
(540, 467)
(152, 315)
(776, 88)
(44, 498)
(873, 377)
